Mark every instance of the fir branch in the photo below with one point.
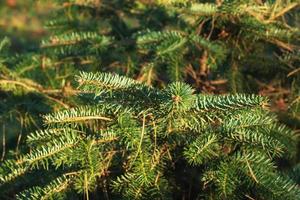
(206, 102)
(205, 147)
(49, 191)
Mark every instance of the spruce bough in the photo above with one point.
(133, 141)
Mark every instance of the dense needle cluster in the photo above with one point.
(133, 141)
(114, 137)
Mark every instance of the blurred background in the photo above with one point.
(22, 21)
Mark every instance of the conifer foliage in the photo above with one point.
(133, 141)
(123, 138)
(157, 42)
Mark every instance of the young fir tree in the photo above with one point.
(133, 141)
(244, 43)
(155, 42)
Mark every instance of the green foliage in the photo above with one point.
(50, 191)
(155, 42)
(125, 138)
(124, 141)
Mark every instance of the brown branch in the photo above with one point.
(45, 92)
(106, 140)
(219, 82)
(283, 11)
(283, 45)
(293, 72)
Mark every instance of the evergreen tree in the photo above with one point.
(133, 141)
(218, 146)
(242, 44)
(159, 41)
